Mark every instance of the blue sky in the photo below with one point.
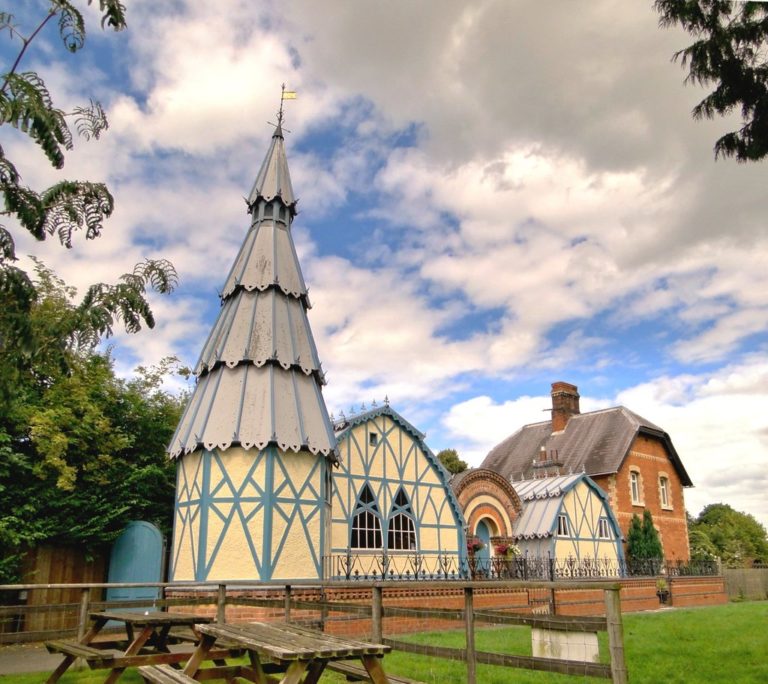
(493, 197)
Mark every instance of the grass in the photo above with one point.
(686, 646)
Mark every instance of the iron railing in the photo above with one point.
(417, 566)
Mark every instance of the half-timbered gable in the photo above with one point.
(390, 495)
(567, 517)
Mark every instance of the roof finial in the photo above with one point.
(284, 95)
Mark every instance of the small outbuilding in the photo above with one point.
(567, 517)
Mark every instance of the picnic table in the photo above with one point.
(297, 654)
(147, 637)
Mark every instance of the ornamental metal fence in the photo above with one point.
(418, 566)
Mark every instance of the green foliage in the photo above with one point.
(643, 541)
(67, 206)
(26, 104)
(730, 53)
(737, 538)
(450, 459)
(82, 452)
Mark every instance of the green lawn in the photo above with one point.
(707, 645)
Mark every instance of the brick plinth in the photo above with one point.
(636, 595)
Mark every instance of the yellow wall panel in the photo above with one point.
(296, 558)
(233, 559)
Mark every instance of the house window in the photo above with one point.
(366, 522)
(562, 525)
(373, 438)
(634, 484)
(664, 492)
(603, 530)
(401, 531)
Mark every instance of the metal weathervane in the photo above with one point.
(284, 95)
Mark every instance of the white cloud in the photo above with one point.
(717, 424)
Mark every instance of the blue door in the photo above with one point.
(484, 554)
(137, 556)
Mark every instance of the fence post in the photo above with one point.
(615, 635)
(221, 605)
(82, 619)
(469, 619)
(376, 611)
(287, 603)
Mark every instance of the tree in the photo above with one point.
(644, 551)
(82, 452)
(736, 537)
(729, 52)
(450, 459)
(67, 206)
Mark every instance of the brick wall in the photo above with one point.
(648, 456)
(636, 595)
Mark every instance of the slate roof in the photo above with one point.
(596, 443)
(541, 499)
(259, 374)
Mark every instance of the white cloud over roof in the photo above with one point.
(492, 197)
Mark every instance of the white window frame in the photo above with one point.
(603, 528)
(401, 528)
(665, 493)
(562, 526)
(366, 533)
(636, 487)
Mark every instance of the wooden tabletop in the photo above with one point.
(154, 617)
(285, 642)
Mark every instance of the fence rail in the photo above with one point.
(379, 606)
(416, 566)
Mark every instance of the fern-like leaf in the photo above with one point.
(7, 246)
(26, 104)
(71, 25)
(27, 205)
(114, 14)
(71, 205)
(8, 173)
(7, 23)
(159, 274)
(90, 121)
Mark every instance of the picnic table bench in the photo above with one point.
(355, 673)
(147, 637)
(296, 653)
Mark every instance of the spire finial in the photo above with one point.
(284, 95)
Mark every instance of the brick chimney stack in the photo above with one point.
(565, 403)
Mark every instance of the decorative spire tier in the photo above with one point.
(259, 375)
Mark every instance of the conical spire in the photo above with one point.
(273, 179)
(259, 374)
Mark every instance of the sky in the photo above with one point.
(493, 196)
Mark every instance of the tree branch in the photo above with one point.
(25, 44)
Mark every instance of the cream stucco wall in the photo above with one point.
(248, 514)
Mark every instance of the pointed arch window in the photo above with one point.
(401, 530)
(366, 522)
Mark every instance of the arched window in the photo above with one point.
(401, 531)
(366, 522)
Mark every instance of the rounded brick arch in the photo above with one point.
(483, 493)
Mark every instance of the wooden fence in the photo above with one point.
(746, 584)
(376, 604)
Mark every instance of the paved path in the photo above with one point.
(33, 658)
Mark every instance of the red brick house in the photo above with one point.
(629, 457)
